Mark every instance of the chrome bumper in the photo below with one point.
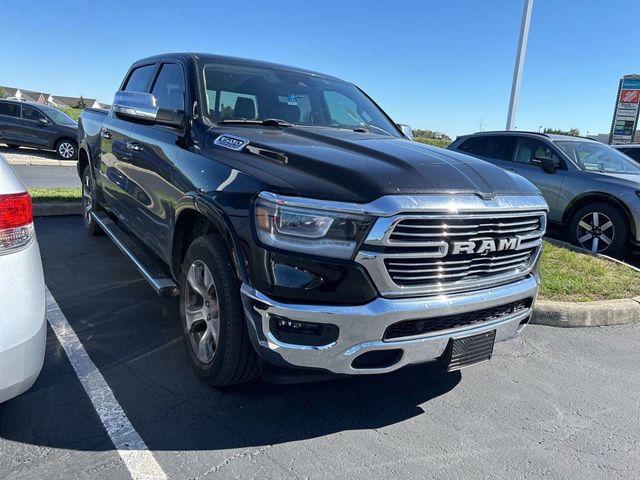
(362, 327)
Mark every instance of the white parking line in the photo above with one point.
(134, 452)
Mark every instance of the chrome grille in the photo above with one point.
(417, 271)
(411, 230)
(414, 255)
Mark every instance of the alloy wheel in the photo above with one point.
(202, 312)
(66, 150)
(595, 232)
(87, 201)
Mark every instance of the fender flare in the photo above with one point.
(216, 215)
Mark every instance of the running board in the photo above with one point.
(150, 266)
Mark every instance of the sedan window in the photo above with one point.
(488, 146)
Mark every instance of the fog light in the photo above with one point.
(302, 333)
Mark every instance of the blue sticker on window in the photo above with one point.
(293, 99)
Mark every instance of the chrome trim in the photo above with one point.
(136, 104)
(437, 202)
(373, 260)
(362, 327)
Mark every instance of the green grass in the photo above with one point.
(433, 141)
(576, 277)
(72, 112)
(55, 194)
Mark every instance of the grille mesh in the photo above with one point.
(410, 328)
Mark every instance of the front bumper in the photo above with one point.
(361, 328)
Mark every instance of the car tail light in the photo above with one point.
(16, 221)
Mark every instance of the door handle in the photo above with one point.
(135, 147)
(104, 133)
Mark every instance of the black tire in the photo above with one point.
(601, 228)
(89, 203)
(234, 359)
(67, 149)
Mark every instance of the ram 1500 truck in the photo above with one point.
(300, 226)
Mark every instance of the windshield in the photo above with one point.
(598, 157)
(58, 117)
(242, 92)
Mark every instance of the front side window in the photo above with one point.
(598, 157)
(528, 149)
(169, 88)
(9, 109)
(30, 113)
(140, 79)
(495, 147)
(245, 92)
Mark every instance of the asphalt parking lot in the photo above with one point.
(555, 403)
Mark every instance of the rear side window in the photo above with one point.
(140, 79)
(9, 109)
(30, 113)
(169, 88)
(496, 147)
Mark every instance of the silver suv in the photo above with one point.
(592, 189)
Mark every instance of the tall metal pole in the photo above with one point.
(517, 72)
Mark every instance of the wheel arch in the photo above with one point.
(593, 197)
(196, 216)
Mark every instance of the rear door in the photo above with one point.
(115, 155)
(153, 151)
(10, 123)
(38, 130)
(550, 184)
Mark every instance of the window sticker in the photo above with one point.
(293, 99)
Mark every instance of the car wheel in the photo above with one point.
(88, 203)
(67, 149)
(213, 322)
(600, 228)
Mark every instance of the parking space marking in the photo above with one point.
(134, 452)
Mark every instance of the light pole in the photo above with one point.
(517, 72)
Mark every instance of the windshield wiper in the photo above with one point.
(267, 122)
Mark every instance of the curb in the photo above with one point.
(623, 311)
(51, 209)
(586, 314)
(41, 162)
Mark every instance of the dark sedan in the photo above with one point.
(26, 124)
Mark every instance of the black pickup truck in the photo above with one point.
(300, 227)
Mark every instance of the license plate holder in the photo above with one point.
(466, 351)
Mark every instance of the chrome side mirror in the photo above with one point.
(135, 105)
(406, 130)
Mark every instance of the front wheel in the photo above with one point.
(213, 323)
(600, 228)
(67, 150)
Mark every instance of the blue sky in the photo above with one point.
(439, 65)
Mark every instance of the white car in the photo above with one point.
(23, 327)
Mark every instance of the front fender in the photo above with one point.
(221, 222)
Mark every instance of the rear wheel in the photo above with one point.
(88, 202)
(67, 149)
(213, 323)
(600, 228)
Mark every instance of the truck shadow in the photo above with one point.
(133, 337)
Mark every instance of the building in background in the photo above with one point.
(50, 99)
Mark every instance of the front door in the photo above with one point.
(153, 149)
(37, 130)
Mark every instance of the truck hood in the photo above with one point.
(360, 167)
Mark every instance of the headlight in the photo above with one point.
(308, 230)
